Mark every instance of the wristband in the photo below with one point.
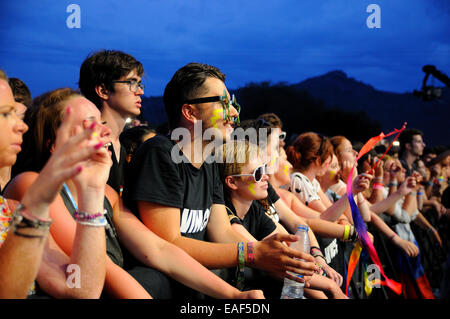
(22, 218)
(419, 193)
(87, 219)
(392, 237)
(241, 265)
(83, 216)
(353, 234)
(314, 248)
(377, 186)
(392, 184)
(346, 232)
(97, 222)
(250, 254)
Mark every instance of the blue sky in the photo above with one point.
(251, 41)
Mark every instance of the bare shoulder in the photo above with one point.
(19, 184)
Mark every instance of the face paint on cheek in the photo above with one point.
(251, 187)
(286, 170)
(332, 174)
(217, 116)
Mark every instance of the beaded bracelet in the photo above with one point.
(241, 265)
(85, 218)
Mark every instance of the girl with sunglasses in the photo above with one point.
(251, 205)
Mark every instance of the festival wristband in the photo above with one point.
(377, 186)
(250, 253)
(392, 237)
(241, 265)
(23, 219)
(97, 222)
(392, 184)
(346, 232)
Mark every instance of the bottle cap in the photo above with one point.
(302, 227)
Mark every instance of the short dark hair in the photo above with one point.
(103, 67)
(131, 138)
(20, 91)
(185, 84)
(272, 119)
(406, 137)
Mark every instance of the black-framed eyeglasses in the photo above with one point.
(258, 173)
(134, 85)
(225, 101)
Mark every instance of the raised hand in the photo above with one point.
(361, 183)
(64, 164)
(407, 186)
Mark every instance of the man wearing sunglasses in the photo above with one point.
(183, 202)
(112, 81)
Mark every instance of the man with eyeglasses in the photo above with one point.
(183, 202)
(112, 81)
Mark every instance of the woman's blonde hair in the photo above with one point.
(235, 155)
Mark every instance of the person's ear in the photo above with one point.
(408, 146)
(318, 161)
(102, 92)
(230, 182)
(189, 113)
(52, 147)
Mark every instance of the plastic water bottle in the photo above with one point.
(293, 289)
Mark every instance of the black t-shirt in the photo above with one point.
(258, 224)
(154, 177)
(116, 174)
(409, 170)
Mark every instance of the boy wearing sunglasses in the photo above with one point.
(183, 202)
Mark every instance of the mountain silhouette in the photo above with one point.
(337, 90)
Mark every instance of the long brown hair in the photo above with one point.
(308, 147)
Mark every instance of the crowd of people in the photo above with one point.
(92, 207)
